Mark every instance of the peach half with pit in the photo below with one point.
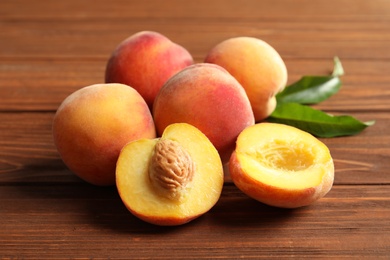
(92, 125)
(170, 180)
(145, 61)
(206, 96)
(257, 66)
(281, 165)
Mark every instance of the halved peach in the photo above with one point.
(281, 165)
(170, 180)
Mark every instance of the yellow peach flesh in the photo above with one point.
(289, 164)
(140, 196)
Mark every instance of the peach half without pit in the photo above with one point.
(170, 180)
(281, 165)
(92, 125)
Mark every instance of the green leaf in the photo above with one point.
(313, 89)
(310, 90)
(291, 109)
(317, 122)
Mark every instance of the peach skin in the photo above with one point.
(145, 61)
(257, 66)
(281, 165)
(92, 125)
(170, 180)
(209, 98)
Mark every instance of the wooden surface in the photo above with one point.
(48, 49)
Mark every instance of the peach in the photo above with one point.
(170, 180)
(257, 66)
(209, 98)
(145, 61)
(92, 125)
(281, 165)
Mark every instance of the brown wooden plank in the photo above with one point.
(42, 85)
(308, 39)
(82, 221)
(48, 49)
(28, 154)
(73, 29)
(203, 8)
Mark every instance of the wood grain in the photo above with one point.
(48, 49)
(28, 154)
(90, 222)
(43, 84)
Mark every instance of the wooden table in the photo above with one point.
(48, 49)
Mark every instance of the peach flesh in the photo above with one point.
(281, 166)
(140, 195)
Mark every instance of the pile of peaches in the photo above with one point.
(162, 129)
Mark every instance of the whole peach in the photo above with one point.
(209, 98)
(145, 61)
(257, 66)
(92, 125)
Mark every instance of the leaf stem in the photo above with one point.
(338, 69)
